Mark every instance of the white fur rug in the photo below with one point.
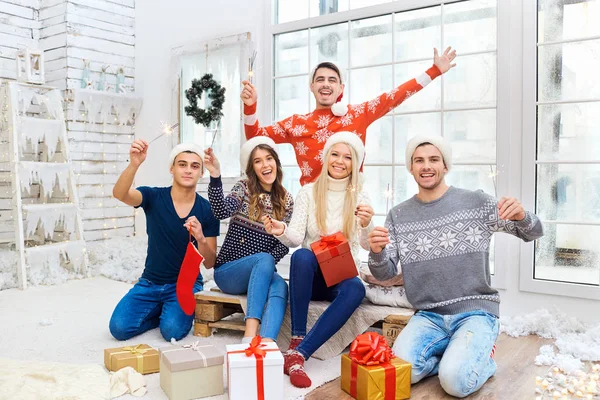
(68, 323)
(28, 380)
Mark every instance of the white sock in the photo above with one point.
(247, 339)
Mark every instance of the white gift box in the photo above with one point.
(243, 374)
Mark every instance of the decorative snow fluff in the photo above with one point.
(49, 215)
(575, 340)
(38, 130)
(120, 258)
(8, 269)
(103, 104)
(46, 174)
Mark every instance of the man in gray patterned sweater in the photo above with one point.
(441, 238)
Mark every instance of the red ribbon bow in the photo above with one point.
(370, 349)
(255, 348)
(330, 241)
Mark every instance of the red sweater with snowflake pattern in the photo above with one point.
(308, 133)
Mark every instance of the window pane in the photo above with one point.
(379, 141)
(568, 253)
(410, 125)
(291, 179)
(562, 68)
(569, 192)
(224, 63)
(286, 10)
(324, 7)
(354, 4)
(371, 41)
(291, 53)
(405, 186)
(472, 83)
(287, 156)
(429, 98)
(368, 83)
(472, 135)
(330, 43)
(291, 96)
(376, 184)
(418, 26)
(473, 177)
(569, 131)
(559, 21)
(470, 25)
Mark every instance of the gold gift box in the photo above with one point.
(143, 358)
(371, 380)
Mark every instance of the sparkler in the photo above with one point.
(388, 195)
(166, 130)
(493, 175)
(251, 61)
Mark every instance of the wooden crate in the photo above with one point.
(211, 311)
(393, 325)
(219, 310)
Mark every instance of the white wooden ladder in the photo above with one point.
(34, 115)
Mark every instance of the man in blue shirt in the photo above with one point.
(171, 212)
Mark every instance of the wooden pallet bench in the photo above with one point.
(222, 311)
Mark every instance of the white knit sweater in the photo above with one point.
(303, 229)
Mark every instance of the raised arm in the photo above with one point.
(278, 131)
(222, 207)
(123, 190)
(383, 104)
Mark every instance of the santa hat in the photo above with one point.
(250, 145)
(183, 147)
(349, 138)
(437, 141)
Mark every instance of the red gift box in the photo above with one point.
(335, 258)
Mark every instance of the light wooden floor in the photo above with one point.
(515, 377)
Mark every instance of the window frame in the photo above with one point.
(527, 282)
(505, 182)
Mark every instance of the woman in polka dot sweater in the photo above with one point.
(248, 256)
(335, 202)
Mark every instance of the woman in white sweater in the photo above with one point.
(334, 202)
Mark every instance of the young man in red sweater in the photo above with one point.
(308, 133)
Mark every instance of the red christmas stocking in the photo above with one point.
(190, 268)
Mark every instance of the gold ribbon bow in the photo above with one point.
(135, 350)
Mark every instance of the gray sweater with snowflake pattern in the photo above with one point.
(443, 249)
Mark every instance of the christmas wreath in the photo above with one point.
(217, 95)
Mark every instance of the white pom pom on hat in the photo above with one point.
(339, 109)
(183, 147)
(247, 148)
(351, 139)
(437, 141)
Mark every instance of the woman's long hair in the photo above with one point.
(278, 192)
(321, 188)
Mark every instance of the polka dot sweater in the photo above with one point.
(244, 236)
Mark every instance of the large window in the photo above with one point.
(383, 51)
(568, 141)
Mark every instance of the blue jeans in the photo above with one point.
(267, 291)
(306, 284)
(456, 347)
(147, 306)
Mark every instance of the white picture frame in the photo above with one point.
(30, 66)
